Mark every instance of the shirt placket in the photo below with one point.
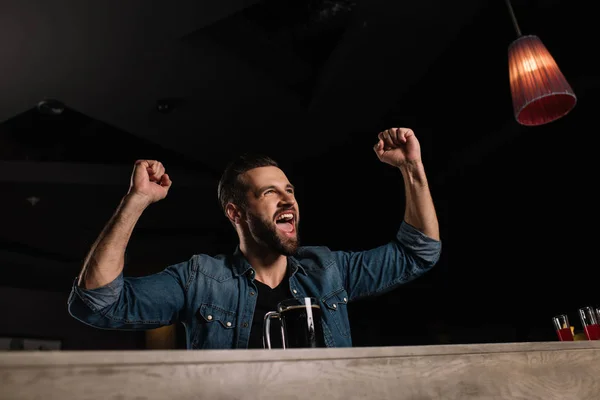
(247, 307)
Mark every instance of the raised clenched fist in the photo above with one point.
(149, 181)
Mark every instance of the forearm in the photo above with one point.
(419, 211)
(106, 258)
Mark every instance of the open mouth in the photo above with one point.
(286, 222)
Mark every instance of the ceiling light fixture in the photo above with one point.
(540, 92)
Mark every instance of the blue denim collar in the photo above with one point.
(241, 266)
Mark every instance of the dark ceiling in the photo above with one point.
(310, 83)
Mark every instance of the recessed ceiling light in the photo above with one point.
(33, 200)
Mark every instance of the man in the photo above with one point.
(222, 300)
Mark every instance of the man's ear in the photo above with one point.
(234, 213)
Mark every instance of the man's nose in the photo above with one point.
(288, 198)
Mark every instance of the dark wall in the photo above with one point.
(43, 315)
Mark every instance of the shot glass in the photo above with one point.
(589, 321)
(563, 329)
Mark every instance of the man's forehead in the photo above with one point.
(262, 176)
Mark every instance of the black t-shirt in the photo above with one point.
(267, 301)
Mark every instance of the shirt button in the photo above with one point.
(252, 293)
(334, 306)
(245, 324)
(345, 299)
(295, 291)
(209, 317)
(228, 324)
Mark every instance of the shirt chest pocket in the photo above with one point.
(336, 309)
(215, 327)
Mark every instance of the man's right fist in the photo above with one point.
(149, 181)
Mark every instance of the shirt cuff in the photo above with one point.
(99, 298)
(426, 247)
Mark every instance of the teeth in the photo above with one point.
(285, 217)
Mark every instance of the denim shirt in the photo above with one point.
(215, 297)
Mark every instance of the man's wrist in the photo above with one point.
(136, 201)
(413, 171)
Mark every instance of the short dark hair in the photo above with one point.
(232, 189)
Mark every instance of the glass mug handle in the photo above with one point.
(267, 329)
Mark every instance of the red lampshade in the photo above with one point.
(540, 92)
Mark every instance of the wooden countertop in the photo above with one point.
(545, 370)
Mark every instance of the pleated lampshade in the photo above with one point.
(540, 92)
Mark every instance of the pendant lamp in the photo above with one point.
(540, 92)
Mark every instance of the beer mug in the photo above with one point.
(300, 324)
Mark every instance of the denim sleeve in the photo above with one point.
(409, 255)
(134, 303)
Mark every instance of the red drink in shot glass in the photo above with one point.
(589, 321)
(563, 328)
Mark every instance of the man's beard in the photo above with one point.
(266, 233)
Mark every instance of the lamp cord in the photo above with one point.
(512, 16)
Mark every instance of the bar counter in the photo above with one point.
(532, 371)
